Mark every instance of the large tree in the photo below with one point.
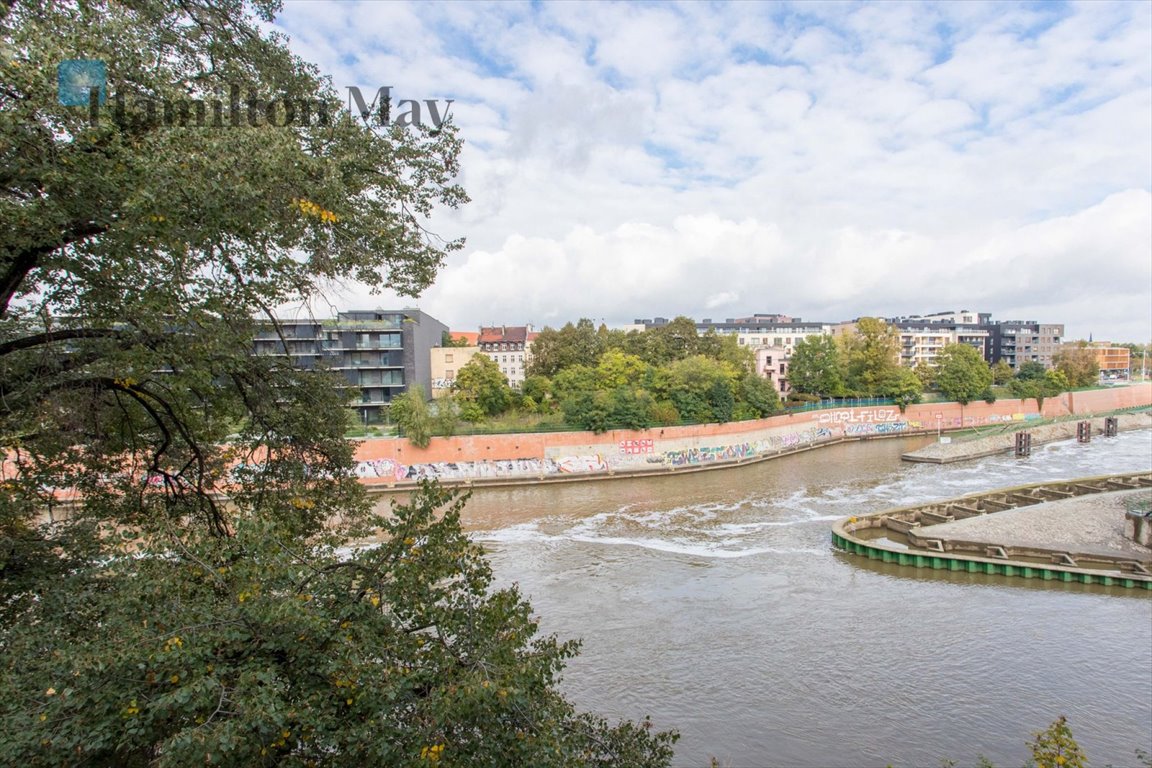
(151, 622)
(480, 381)
(962, 374)
(1078, 364)
(872, 355)
(816, 367)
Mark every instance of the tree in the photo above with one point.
(816, 367)
(760, 397)
(961, 373)
(153, 624)
(1001, 372)
(700, 388)
(262, 652)
(905, 388)
(480, 381)
(553, 351)
(618, 369)
(409, 412)
(448, 340)
(539, 390)
(1079, 365)
(1054, 747)
(871, 354)
(1052, 383)
(1031, 371)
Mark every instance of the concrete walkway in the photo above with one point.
(1083, 525)
(961, 450)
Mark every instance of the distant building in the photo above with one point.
(381, 353)
(1025, 341)
(470, 338)
(1115, 362)
(781, 332)
(510, 347)
(446, 363)
(1013, 341)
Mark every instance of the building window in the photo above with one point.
(449, 373)
(447, 358)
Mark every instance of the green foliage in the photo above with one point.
(927, 375)
(1079, 366)
(448, 340)
(817, 367)
(701, 389)
(264, 648)
(871, 355)
(155, 625)
(588, 409)
(663, 412)
(480, 381)
(1002, 373)
(539, 388)
(553, 351)
(758, 396)
(619, 369)
(409, 412)
(905, 388)
(961, 373)
(1054, 747)
(1050, 384)
(1031, 371)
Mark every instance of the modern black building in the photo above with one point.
(380, 352)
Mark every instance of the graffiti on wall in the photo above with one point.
(393, 471)
(868, 416)
(884, 428)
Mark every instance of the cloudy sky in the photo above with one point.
(825, 161)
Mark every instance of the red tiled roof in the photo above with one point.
(514, 334)
(468, 336)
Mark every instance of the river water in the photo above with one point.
(715, 603)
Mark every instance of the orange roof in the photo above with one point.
(469, 336)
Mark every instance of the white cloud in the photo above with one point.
(630, 161)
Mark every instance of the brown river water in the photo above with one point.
(715, 603)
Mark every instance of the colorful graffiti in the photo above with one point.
(885, 428)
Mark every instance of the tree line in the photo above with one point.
(598, 378)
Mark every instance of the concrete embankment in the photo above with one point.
(395, 464)
(1069, 531)
(961, 449)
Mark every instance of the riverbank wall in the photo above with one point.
(394, 463)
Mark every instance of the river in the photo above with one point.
(715, 603)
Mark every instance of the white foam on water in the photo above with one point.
(706, 550)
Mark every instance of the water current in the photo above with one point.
(715, 603)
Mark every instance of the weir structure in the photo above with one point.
(904, 536)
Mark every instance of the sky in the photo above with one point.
(821, 160)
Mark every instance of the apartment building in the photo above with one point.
(510, 347)
(381, 353)
(1024, 341)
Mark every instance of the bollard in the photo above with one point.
(1084, 432)
(1111, 426)
(1023, 444)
